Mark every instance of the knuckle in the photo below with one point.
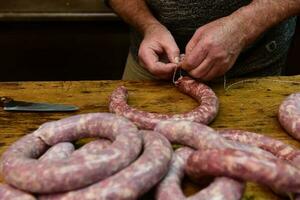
(173, 50)
(195, 75)
(152, 70)
(140, 55)
(219, 53)
(189, 64)
(199, 31)
(176, 50)
(141, 52)
(226, 61)
(222, 55)
(141, 58)
(208, 43)
(189, 47)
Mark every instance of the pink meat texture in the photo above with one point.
(93, 147)
(59, 151)
(10, 193)
(169, 187)
(21, 169)
(133, 181)
(200, 136)
(289, 115)
(124, 163)
(276, 147)
(273, 172)
(205, 113)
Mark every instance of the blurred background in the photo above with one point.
(42, 40)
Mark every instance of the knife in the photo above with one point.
(10, 104)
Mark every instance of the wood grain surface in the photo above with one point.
(250, 105)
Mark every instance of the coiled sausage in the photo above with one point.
(134, 180)
(20, 168)
(205, 113)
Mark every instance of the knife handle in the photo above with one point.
(4, 100)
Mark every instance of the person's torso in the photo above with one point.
(184, 17)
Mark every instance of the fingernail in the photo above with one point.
(182, 57)
(176, 59)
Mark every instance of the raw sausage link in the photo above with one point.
(59, 151)
(276, 147)
(200, 136)
(289, 115)
(134, 180)
(204, 113)
(64, 150)
(221, 189)
(93, 147)
(9, 193)
(273, 172)
(169, 188)
(20, 169)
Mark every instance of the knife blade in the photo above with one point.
(10, 104)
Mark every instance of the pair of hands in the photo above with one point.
(210, 53)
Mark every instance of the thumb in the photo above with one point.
(194, 40)
(172, 52)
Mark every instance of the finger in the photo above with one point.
(220, 67)
(202, 70)
(195, 57)
(150, 60)
(172, 51)
(163, 71)
(193, 41)
(148, 57)
(216, 71)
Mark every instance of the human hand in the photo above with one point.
(158, 52)
(214, 48)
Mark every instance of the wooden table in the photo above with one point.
(249, 105)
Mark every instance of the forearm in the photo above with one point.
(260, 15)
(135, 12)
